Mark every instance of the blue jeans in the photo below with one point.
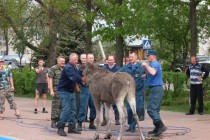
(68, 103)
(154, 102)
(86, 99)
(139, 107)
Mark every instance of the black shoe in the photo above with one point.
(141, 119)
(54, 125)
(35, 111)
(92, 126)
(153, 131)
(132, 130)
(127, 130)
(72, 129)
(117, 122)
(200, 113)
(44, 111)
(61, 131)
(160, 128)
(189, 113)
(79, 126)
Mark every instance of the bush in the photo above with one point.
(166, 66)
(24, 80)
(177, 79)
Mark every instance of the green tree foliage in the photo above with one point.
(24, 80)
(37, 24)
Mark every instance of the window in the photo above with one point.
(2, 52)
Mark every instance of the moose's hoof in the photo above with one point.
(96, 138)
(108, 136)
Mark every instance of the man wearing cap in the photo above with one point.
(154, 82)
(136, 70)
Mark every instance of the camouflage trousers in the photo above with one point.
(56, 108)
(9, 95)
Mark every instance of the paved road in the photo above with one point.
(37, 127)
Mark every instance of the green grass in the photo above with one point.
(176, 108)
(180, 108)
(32, 96)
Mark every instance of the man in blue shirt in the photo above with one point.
(155, 84)
(136, 70)
(66, 87)
(86, 99)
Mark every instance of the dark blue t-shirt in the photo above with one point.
(155, 80)
(115, 68)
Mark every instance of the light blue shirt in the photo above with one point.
(155, 80)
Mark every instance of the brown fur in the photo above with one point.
(109, 88)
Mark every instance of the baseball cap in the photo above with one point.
(151, 52)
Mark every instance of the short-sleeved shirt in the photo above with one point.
(4, 78)
(155, 80)
(55, 74)
(42, 76)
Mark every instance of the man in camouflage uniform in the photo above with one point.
(54, 76)
(6, 90)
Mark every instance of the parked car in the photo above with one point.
(14, 66)
(16, 59)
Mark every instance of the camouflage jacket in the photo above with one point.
(55, 74)
(4, 78)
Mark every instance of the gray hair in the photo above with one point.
(72, 55)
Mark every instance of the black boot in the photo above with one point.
(142, 114)
(92, 126)
(54, 122)
(161, 128)
(79, 126)
(61, 131)
(117, 117)
(155, 130)
(72, 129)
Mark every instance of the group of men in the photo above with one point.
(64, 80)
(69, 107)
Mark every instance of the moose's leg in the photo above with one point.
(123, 116)
(107, 108)
(98, 107)
(132, 103)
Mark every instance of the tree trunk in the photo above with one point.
(119, 41)
(193, 27)
(88, 42)
(185, 52)
(51, 56)
(7, 41)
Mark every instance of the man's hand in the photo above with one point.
(52, 93)
(83, 79)
(144, 64)
(200, 79)
(12, 88)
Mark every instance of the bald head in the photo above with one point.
(90, 58)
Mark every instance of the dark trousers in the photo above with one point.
(196, 91)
